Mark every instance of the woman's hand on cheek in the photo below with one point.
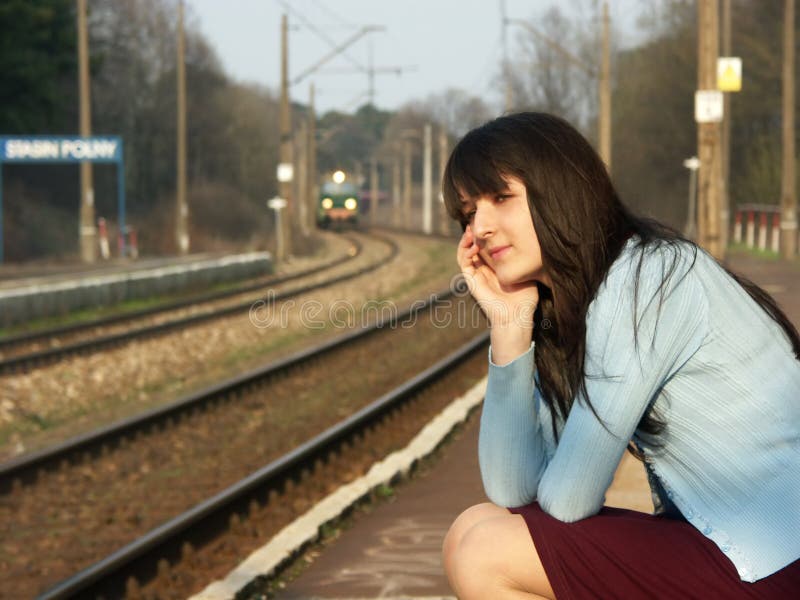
(504, 306)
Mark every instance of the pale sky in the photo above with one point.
(441, 43)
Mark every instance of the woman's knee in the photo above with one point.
(496, 553)
(471, 564)
(466, 521)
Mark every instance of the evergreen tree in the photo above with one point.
(38, 70)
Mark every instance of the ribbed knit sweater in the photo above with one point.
(717, 369)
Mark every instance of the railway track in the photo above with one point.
(87, 458)
(161, 554)
(84, 338)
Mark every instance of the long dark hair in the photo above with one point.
(582, 227)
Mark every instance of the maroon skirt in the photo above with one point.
(629, 555)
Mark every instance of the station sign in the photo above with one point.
(43, 149)
(708, 106)
(51, 149)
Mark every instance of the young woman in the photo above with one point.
(609, 332)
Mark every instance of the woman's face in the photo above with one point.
(503, 230)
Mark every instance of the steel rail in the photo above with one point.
(24, 468)
(111, 571)
(451, 237)
(18, 363)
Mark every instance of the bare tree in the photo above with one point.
(544, 78)
(456, 110)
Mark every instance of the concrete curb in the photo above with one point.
(306, 528)
(47, 298)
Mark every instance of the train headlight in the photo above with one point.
(327, 203)
(351, 204)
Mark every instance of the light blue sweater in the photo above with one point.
(722, 375)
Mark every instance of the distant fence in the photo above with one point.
(758, 226)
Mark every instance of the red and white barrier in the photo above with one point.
(776, 232)
(759, 225)
(751, 229)
(102, 236)
(737, 228)
(762, 231)
(133, 245)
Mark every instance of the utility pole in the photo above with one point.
(371, 77)
(509, 99)
(396, 192)
(443, 216)
(372, 70)
(604, 92)
(301, 169)
(181, 208)
(87, 231)
(407, 183)
(373, 189)
(708, 133)
(427, 180)
(312, 157)
(286, 151)
(788, 192)
(726, 133)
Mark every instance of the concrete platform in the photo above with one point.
(18, 275)
(68, 290)
(779, 278)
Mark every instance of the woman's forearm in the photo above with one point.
(511, 450)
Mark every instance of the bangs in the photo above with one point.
(471, 172)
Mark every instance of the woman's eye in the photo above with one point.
(502, 197)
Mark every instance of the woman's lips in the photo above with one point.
(496, 253)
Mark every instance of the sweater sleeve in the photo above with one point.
(638, 336)
(511, 450)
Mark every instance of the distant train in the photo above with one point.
(339, 202)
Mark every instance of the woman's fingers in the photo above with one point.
(466, 252)
(497, 301)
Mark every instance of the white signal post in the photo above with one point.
(285, 175)
(278, 204)
(427, 180)
(690, 229)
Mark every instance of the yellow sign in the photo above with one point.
(729, 74)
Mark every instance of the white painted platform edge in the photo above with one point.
(147, 273)
(305, 529)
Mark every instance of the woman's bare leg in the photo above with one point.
(488, 553)
(466, 521)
